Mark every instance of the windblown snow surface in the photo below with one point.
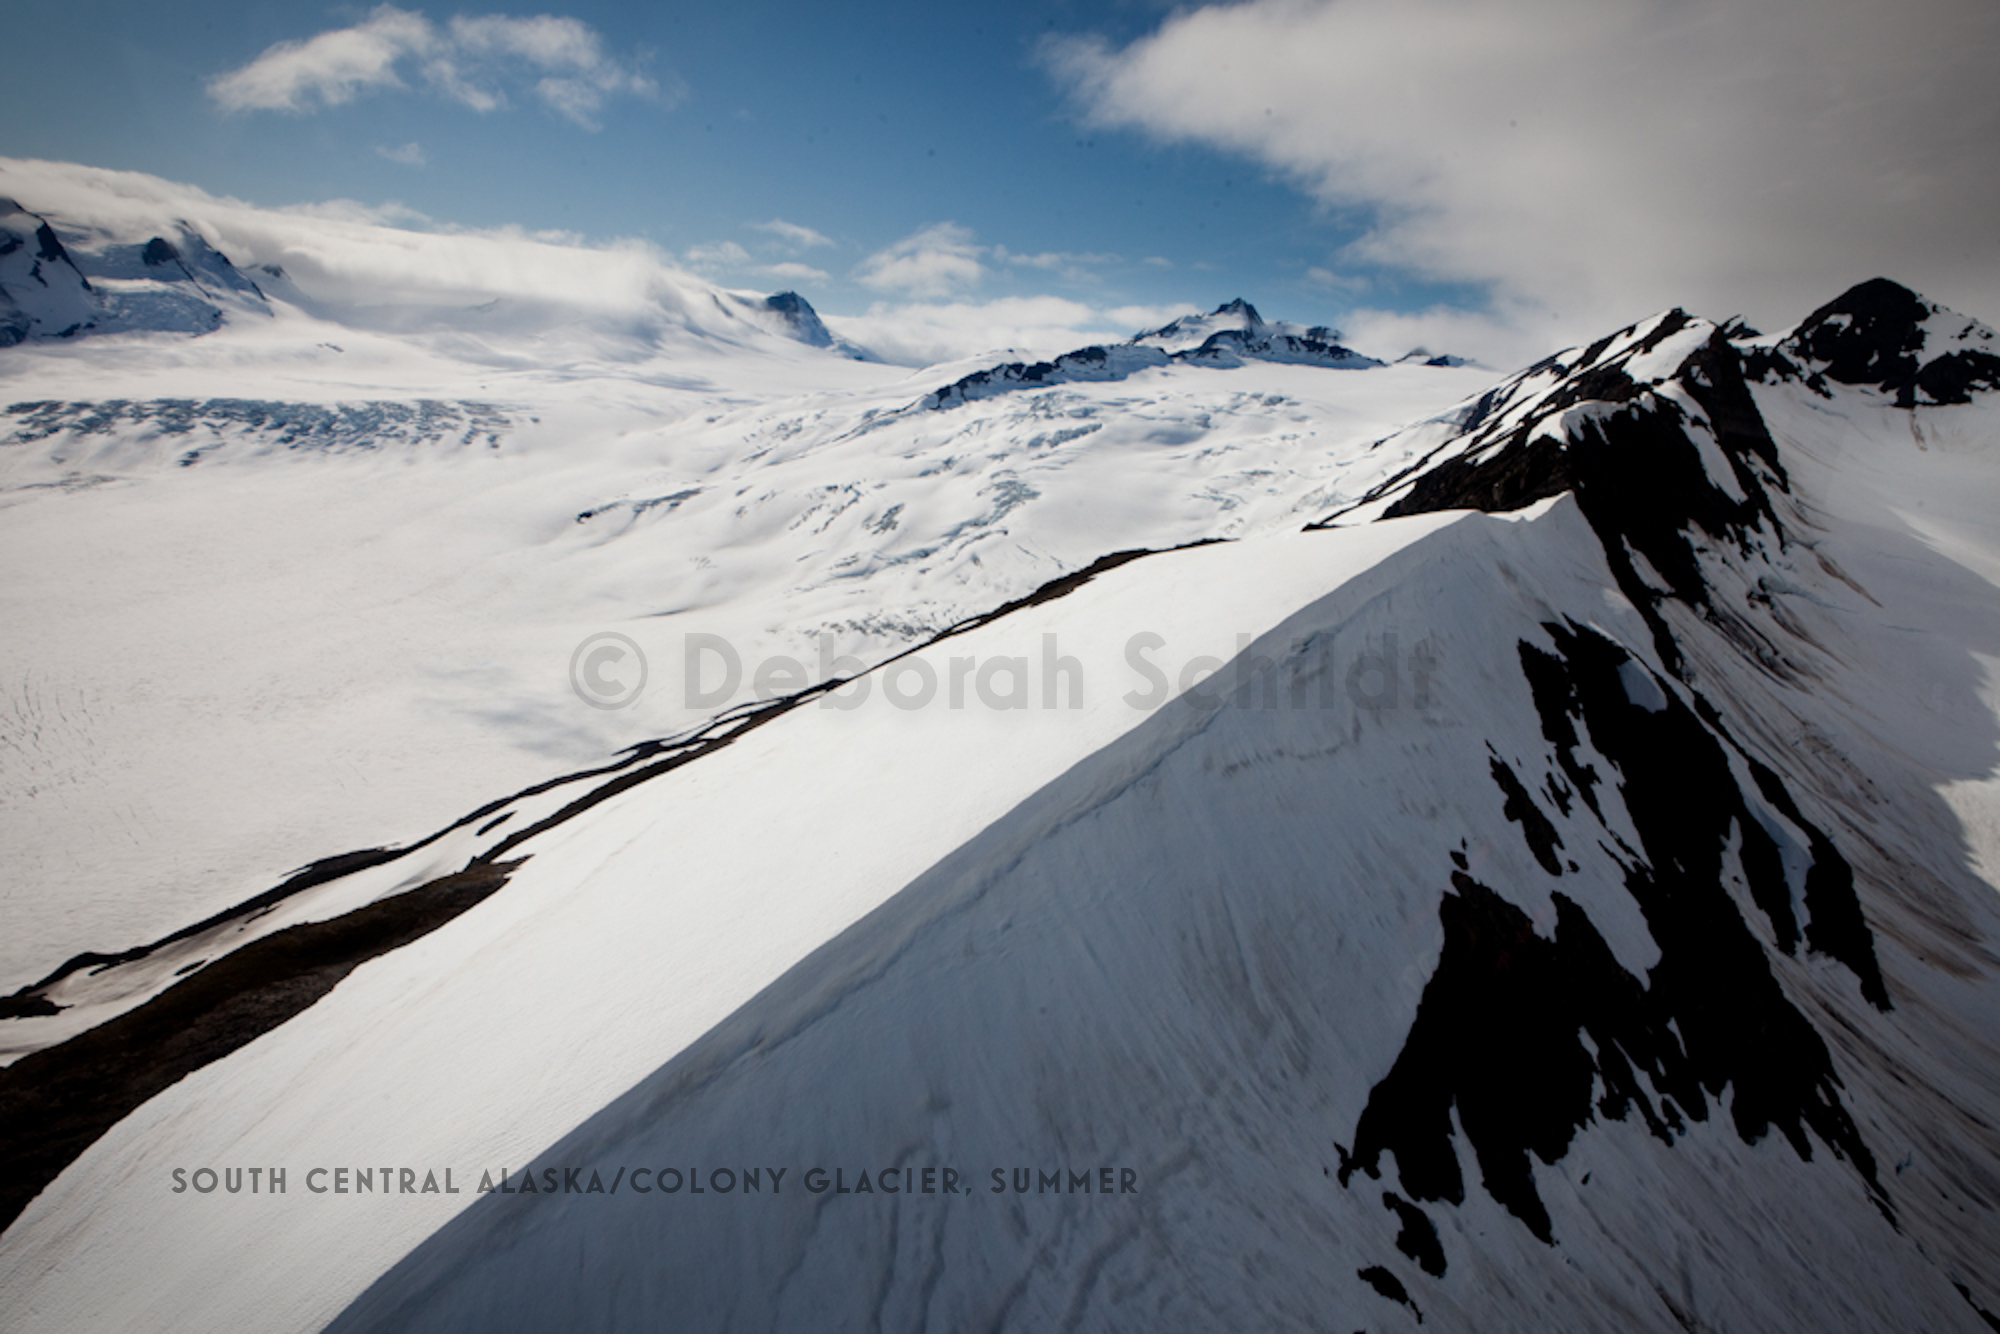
(1531, 869)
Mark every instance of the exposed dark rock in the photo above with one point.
(1638, 476)
(1873, 334)
(1418, 1238)
(1386, 1283)
(801, 317)
(54, 1103)
(1498, 1034)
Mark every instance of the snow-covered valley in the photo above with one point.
(1493, 855)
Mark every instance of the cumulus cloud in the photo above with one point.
(409, 155)
(728, 260)
(470, 60)
(941, 260)
(924, 333)
(1589, 161)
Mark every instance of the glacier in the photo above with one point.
(1551, 886)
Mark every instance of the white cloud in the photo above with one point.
(1070, 267)
(409, 155)
(331, 67)
(924, 333)
(1503, 338)
(792, 234)
(1592, 160)
(1339, 282)
(390, 214)
(940, 260)
(792, 272)
(715, 254)
(340, 254)
(471, 60)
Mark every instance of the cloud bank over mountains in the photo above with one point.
(387, 259)
(1586, 161)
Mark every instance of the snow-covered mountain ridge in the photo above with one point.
(1230, 335)
(1567, 904)
(91, 283)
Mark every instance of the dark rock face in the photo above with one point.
(1520, 1039)
(54, 1103)
(50, 249)
(1500, 1031)
(803, 319)
(1638, 472)
(1874, 334)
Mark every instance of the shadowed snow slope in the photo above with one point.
(1573, 915)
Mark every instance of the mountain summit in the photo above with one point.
(1230, 335)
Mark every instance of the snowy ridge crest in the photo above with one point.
(1230, 336)
(1882, 335)
(67, 282)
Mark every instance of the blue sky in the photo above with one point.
(1483, 176)
(866, 123)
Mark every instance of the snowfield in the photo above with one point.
(1391, 847)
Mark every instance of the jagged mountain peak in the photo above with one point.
(1229, 336)
(1191, 331)
(1882, 334)
(798, 312)
(43, 294)
(73, 280)
(792, 316)
(1657, 432)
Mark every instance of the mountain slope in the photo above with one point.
(42, 292)
(1576, 915)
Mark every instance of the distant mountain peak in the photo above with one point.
(1423, 356)
(1231, 335)
(1191, 331)
(43, 294)
(799, 315)
(76, 281)
(795, 318)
